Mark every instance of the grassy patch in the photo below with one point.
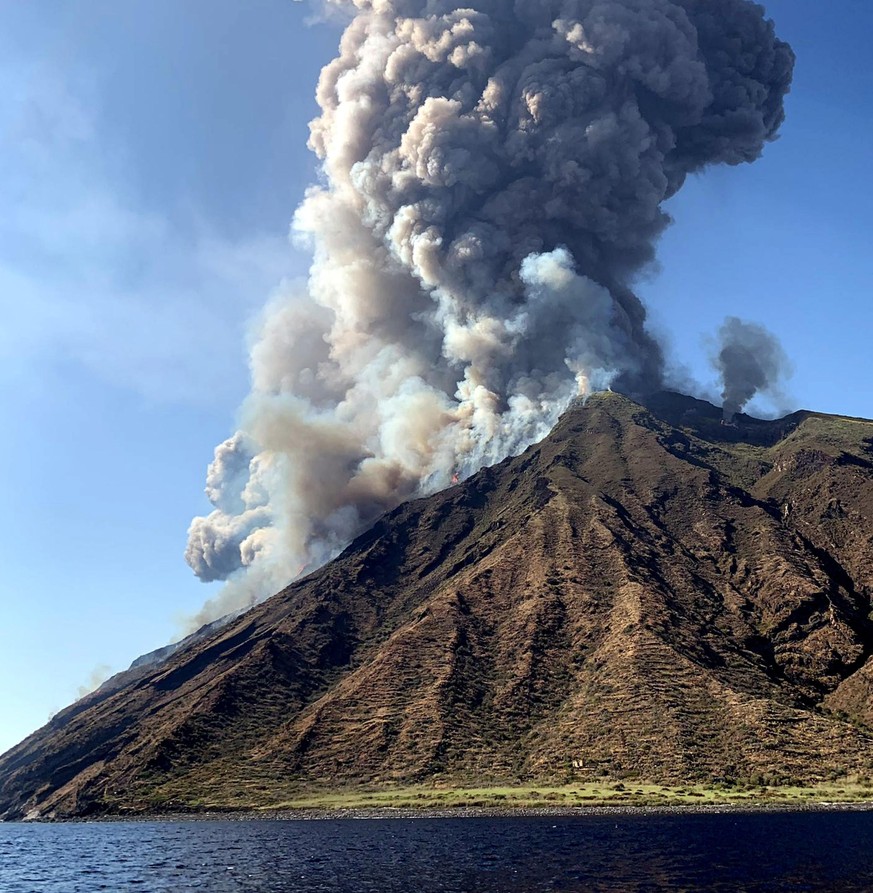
(574, 795)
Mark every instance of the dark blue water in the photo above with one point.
(797, 852)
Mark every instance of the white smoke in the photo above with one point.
(493, 182)
(96, 678)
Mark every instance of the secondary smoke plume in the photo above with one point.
(97, 677)
(493, 182)
(750, 360)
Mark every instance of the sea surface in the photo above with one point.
(731, 852)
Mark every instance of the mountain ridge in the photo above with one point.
(647, 591)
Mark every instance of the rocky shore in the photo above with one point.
(464, 812)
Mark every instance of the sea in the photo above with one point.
(808, 851)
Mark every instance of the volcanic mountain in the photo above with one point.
(647, 591)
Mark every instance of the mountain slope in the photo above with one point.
(646, 591)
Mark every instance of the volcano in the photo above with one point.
(647, 592)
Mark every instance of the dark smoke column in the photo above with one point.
(494, 180)
(750, 360)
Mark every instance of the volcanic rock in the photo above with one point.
(647, 592)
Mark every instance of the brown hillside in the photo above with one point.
(645, 592)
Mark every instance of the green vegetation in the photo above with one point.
(580, 795)
(596, 794)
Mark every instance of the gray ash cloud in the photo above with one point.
(750, 361)
(494, 180)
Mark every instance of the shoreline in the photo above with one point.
(463, 812)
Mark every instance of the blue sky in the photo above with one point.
(151, 156)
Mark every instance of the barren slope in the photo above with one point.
(646, 591)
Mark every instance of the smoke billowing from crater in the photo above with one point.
(493, 183)
(750, 360)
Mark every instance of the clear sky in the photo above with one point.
(151, 155)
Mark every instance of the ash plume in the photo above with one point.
(750, 360)
(493, 180)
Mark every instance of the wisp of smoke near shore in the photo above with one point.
(493, 182)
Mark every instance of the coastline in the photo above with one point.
(467, 812)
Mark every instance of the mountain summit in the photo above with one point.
(647, 591)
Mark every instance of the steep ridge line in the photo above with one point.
(647, 592)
